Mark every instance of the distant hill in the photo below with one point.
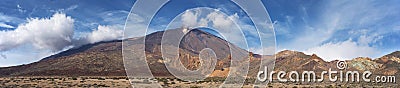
(388, 65)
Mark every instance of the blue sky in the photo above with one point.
(337, 28)
(334, 29)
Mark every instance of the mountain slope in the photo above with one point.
(105, 58)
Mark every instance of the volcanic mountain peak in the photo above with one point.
(193, 41)
(105, 58)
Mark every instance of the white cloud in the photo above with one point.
(282, 29)
(72, 7)
(342, 51)
(189, 18)
(10, 19)
(114, 17)
(52, 33)
(115, 21)
(366, 40)
(20, 9)
(367, 22)
(5, 25)
(40, 37)
(201, 17)
(227, 25)
(104, 33)
(223, 22)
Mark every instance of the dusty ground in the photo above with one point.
(123, 82)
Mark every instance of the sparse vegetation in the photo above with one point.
(27, 82)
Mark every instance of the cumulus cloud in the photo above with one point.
(104, 33)
(40, 37)
(217, 20)
(342, 50)
(189, 18)
(221, 21)
(201, 18)
(52, 33)
(232, 27)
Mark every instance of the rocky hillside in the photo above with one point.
(388, 65)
